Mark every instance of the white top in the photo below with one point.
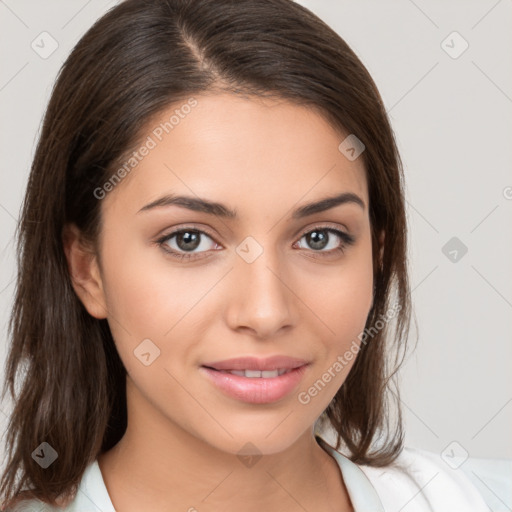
(418, 481)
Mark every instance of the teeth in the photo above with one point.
(240, 373)
(252, 374)
(256, 373)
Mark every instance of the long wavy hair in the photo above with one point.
(63, 372)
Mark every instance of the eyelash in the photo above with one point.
(346, 241)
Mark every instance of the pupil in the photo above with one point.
(190, 240)
(317, 239)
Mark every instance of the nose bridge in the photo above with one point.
(261, 299)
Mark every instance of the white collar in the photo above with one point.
(362, 493)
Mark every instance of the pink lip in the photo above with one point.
(255, 363)
(257, 390)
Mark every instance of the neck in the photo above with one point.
(157, 465)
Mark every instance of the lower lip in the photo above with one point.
(256, 390)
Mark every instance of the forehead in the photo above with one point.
(249, 152)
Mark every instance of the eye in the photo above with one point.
(182, 243)
(328, 240)
(188, 243)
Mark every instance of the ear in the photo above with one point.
(84, 271)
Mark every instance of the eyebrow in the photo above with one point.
(219, 210)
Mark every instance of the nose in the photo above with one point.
(262, 302)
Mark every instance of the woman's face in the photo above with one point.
(271, 279)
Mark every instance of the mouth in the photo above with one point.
(255, 374)
(256, 386)
(279, 363)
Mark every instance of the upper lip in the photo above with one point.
(255, 363)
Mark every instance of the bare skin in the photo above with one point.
(264, 159)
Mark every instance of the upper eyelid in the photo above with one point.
(323, 225)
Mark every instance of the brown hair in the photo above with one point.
(135, 61)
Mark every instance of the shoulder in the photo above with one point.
(33, 505)
(421, 481)
(36, 505)
(91, 495)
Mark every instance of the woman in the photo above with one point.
(212, 259)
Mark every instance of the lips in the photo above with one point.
(256, 380)
(263, 390)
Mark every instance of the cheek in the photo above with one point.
(150, 297)
(343, 304)
(343, 298)
(146, 292)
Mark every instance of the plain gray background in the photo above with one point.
(452, 114)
